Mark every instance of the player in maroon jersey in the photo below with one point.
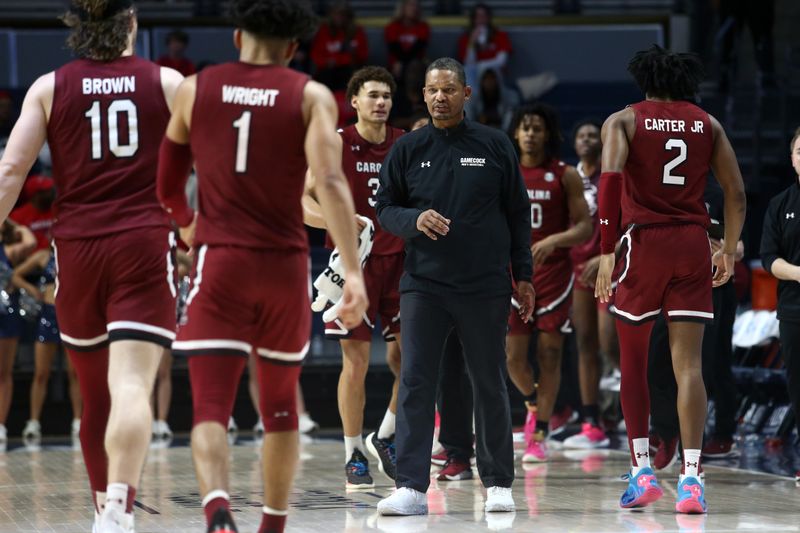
(656, 156)
(556, 195)
(103, 117)
(364, 147)
(594, 325)
(252, 127)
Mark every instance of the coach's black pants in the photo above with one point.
(717, 374)
(480, 323)
(454, 401)
(790, 349)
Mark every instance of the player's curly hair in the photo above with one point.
(550, 117)
(587, 121)
(100, 28)
(664, 74)
(370, 73)
(278, 19)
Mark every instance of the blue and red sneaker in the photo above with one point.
(691, 497)
(643, 489)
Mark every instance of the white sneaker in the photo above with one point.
(404, 502)
(114, 522)
(76, 428)
(258, 429)
(3, 433)
(161, 430)
(232, 427)
(499, 499)
(33, 430)
(305, 424)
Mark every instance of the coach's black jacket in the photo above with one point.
(781, 238)
(470, 175)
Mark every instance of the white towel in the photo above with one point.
(330, 284)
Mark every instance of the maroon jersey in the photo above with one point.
(247, 139)
(104, 133)
(549, 211)
(668, 162)
(361, 162)
(581, 253)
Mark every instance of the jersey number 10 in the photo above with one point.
(117, 107)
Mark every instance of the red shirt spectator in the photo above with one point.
(38, 214)
(483, 44)
(339, 47)
(175, 58)
(406, 36)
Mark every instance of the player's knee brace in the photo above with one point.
(277, 395)
(214, 379)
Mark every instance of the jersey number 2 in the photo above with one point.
(116, 108)
(668, 178)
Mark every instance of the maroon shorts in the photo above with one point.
(553, 285)
(244, 300)
(116, 287)
(666, 269)
(382, 275)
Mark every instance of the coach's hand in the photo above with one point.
(433, 224)
(723, 267)
(354, 300)
(602, 287)
(526, 298)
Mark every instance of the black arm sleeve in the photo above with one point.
(770, 237)
(518, 212)
(392, 197)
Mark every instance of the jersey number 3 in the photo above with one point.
(668, 178)
(117, 108)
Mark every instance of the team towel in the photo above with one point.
(330, 284)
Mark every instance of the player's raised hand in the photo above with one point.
(433, 224)
(526, 297)
(354, 300)
(602, 287)
(723, 267)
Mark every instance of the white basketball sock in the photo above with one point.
(351, 444)
(641, 450)
(691, 463)
(387, 425)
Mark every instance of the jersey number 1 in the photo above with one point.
(116, 108)
(243, 140)
(667, 177)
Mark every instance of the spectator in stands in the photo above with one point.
(409, 103)
(339, 47)
(175, 58)
(38, 214)
(734, 15)
(492, 103)
(406, 36)
(17, 243)
(482, 45)
(6, 116)
(780, 253)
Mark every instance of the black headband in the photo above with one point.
(112, 8)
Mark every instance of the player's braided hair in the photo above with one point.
(664, 74)
(278, 19)
(370, 73)
(550, 117)
(100, 28)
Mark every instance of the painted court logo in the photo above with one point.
(473, 161)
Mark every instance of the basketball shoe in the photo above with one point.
(643, 489)
(455, 470)
(383, 451)
(536, 450)
(357, 472)
(590, 437)
(691, 496)
(222, 522)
